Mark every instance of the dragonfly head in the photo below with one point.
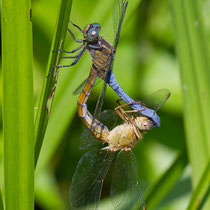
(91, 32)
(143, 123)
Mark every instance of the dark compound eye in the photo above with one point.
(91, 32)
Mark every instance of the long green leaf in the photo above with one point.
(1, 202)
(201, 188)
(18, 107)
(161, 187)
(194, 58)
(49, 86)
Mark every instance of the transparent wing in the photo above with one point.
(79, 89)
(157, 99)
(108, 118)
(86, 186)
(125, 190)
(98, 108)
(87, 141)
(118, 14)
(100, 102)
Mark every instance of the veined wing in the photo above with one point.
(109, 118)
(118, 14)
(100, 102)
(87, 182)
(157, 99)
(125, 192)
(79, 89)
(87, 141)
(98, 108)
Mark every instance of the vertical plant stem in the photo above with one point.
(18, 118)
(193, 53)
(163, 185)
(1, 202)
(201, 188)
(49, 85)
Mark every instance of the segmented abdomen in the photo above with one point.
(98, 130)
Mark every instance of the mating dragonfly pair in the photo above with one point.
(92, 168)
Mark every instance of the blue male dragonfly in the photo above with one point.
(102, 53)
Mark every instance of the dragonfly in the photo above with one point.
(102, 53)
(87, 182)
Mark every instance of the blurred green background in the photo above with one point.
(145, 62)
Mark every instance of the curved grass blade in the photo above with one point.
(1, 202)
(125, 190)
(194, 58)
(156, 99)
(200, 190)
(87, 182)
(49, 85)
(157, 192)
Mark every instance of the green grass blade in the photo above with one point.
(194, 58)
(201, 188)
(161, 187)
(1, 202)
(49, 84)
(18, 107)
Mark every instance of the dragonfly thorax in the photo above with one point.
(91, 32)
(122, 137)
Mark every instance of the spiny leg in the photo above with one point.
(76, 56)
(70, 51)
(123, 105)
(128, 104)
(75, 61)
(76, 40)
(121, 112)
(120, 106)
(76, 26)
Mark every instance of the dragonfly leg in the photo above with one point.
(122, 113)
(76, 56)
(76, 26)
(136, 110)
(128, 104)
(73, 63)
(76, 40)
(69, 51)
(123, 105)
